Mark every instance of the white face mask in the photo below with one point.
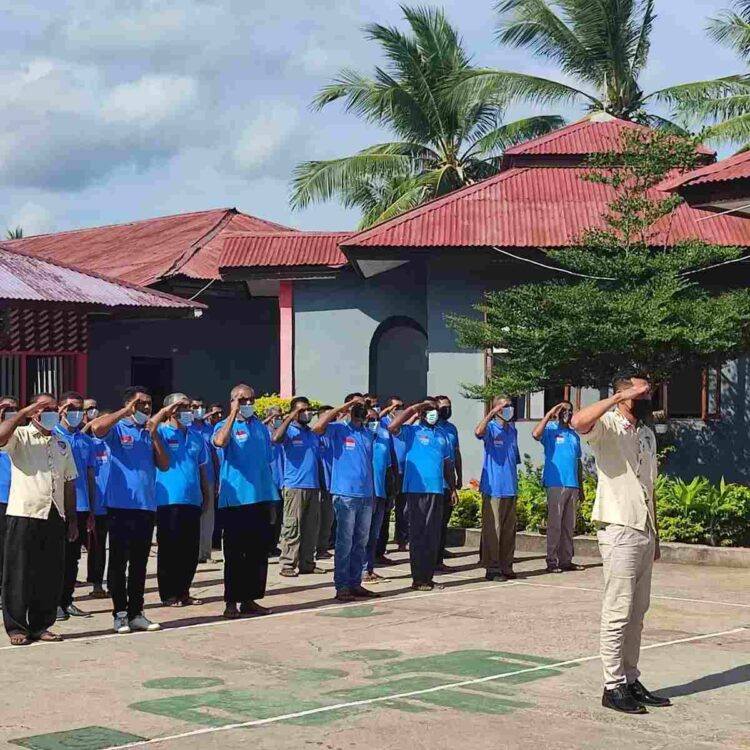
(49, 420)
(507, 413)
(247, 410)
(431, 417)
(185, 418)
(140, 418)
(92, 413)
(200, 412)
(74, 418)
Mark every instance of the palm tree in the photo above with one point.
(442, 140)
(602, 45)
(15, 234)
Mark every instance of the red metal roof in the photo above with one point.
(595, 134)
(532, 207)
(145, 251)
(26, 278)
(283, 249)
(734, 168)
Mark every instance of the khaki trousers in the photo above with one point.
(628, 559)
(498, 533)
(299, 533)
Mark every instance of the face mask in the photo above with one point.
(49, 420)
(445, 412)
(372, 426)
(247, 410)
(643, 409)
(507, 413)
(74, 418)
(200, 412)
(92, 413)
(303, 418)
(431, 417)
(359, 411)
(185, 418)
(565, 416)
(140, 418)
(9, 415)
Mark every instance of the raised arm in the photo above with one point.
(103, 424)
(320, 426)
(584, 420)
(280, 432)
(538, 431)
(491, 414)
(8, 426)
(221, 438)
(161, 455)
(406, 415)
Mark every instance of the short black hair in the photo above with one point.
(72, 395)
(129, 393)
(8, 398)
(41, 394)
(624, 378)
(217, 405)
(198, 398)
(393, 399)
(443, 398)
(350, 396)
(298, 400)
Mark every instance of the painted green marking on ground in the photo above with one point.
(318, 675)
(183, 683)
(85, 738)
(371, 654)
(365, 610)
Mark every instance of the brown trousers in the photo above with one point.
(498, 533)
(299, 534)
(561, 525)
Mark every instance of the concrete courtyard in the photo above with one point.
(475, 664)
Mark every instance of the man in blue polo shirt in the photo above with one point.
(428, 468)
(8, 405)
(247, 495)
(352, 490)
(445, 410)
(301, 482)
(82, 447)
(325, 527)
(181, 492)
(381, 467)
(562, 478)
(202, 427)
(97, 542)
(135, 452)
(272, 421)
(499, 488)
(394, 406)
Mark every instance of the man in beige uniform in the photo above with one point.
(625, 451)
(42, 497)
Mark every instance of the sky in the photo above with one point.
(118, 110)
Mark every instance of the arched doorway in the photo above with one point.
(398, 359)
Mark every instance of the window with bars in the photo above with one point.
(22, 375)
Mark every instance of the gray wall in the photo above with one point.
(236, 340)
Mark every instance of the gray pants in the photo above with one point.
(561, 525)
(326, 521)
(425, 518)
(207, 526)
(628, 559)
(299, 533)
(498, 533)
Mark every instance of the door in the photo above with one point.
(154, 373)
(398, 360)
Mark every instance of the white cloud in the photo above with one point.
(263, 137)
(33, 219)
(149, 100)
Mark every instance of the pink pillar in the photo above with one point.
(286, 339)
(81, 379)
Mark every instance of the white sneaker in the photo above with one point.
(121, 623)
(143, 623)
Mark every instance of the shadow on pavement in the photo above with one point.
(734, 676)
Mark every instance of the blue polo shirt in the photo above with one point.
(381, 461)
(82, 448)
(351, 450)
(102, 460)
(397, 444)
(180, 484)
(246, 477)
(452, 434)
(562, 456)
(301, 449)
(501, 459)
(277, 462)
(132, 471)
(326, 461)
(206, 432)
(4, 478)
(427, 450)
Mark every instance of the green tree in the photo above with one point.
(15, 234)
(635, 301)
(443, 139)
(602, 46)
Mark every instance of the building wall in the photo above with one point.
(235, 341)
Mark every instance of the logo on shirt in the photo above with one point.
(126, 441)
(61, 446)
(241, 435)
(498, 441)
(424, 439)
(102, 458)
(173, 442)
(350, 443)
(560, 439)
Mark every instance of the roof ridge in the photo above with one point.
(292, 232)
(547, 137)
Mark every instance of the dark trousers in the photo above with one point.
(3, 509)
(247, 539)
(130, 535)
(178, 533)
(72, 557)
(447, 512)
(276, 520)
(218, 528)
(402, 519)
(33, 572)
(327, 518)
(425, 517)
(385, 529)
(97, 549)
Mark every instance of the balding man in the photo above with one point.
(247, 498)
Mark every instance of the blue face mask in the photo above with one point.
(74, 418)
(431, 417)
(49, 420)
(247, 410)
(185, 418)
(507, 413)
(200, 412)
(140, 418)
(372, 426)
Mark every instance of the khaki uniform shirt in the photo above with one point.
(626, 463)
(40, 466)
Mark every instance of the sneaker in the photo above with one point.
(62, 615)
(554, 569)
(141, 622)
(323, 555)
(74, 611)
(344, 595)
(372, 578)
(121, 623)
(361, 593)
(572, 567)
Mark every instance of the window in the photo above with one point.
(693, 393)
(22, 375)
(536, 405)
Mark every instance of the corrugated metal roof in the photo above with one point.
(597, 133)
(532, 207)
(26, 278)
(143, 252)
(736, 167)
(283, 249)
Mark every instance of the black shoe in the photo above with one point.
(448, 554)
(572, 567)
(620, 699)
(554, 569)
(640, 694)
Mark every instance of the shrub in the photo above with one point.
(532, 498)
(468, 511)
(265, 402)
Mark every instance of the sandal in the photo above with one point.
(232, 613)
(288, 573)
(19, 639)
(191, 601)
(48, 637)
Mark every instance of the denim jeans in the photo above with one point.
(378, 512)
(353, 515)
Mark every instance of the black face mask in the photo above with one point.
(643, 409)
(359, 411)
(445, 412)
(565, 416)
